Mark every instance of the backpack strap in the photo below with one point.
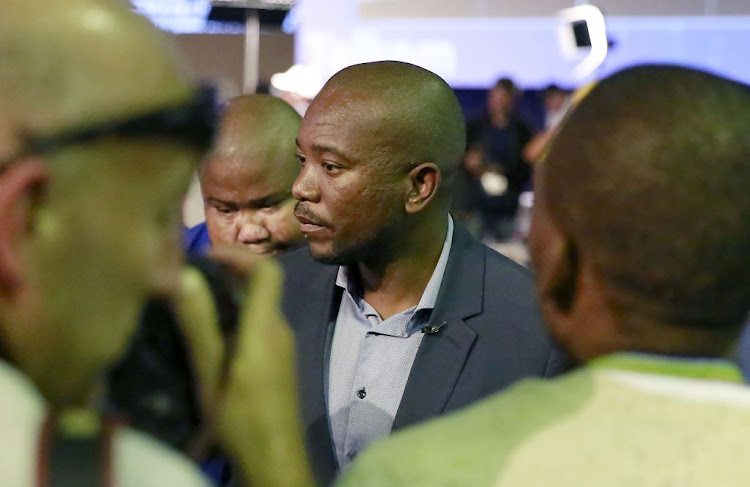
(75, 458)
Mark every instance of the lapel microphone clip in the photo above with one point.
(433, 329)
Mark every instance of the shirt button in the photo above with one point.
(362, 393)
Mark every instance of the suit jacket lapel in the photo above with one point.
(441, 356)
(312, 342)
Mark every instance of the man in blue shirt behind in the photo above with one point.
(247, 178)
(246, 181)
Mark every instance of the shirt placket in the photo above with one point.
(358, 428)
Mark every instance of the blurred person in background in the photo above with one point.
(556, 104)
(246, 180)
(494, 162)
(639, 241)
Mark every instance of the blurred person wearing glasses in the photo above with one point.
(95, 156)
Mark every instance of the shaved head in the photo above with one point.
(648, 177)
(247, 178)
(412, 111)
(258, 130)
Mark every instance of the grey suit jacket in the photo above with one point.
(492, 336)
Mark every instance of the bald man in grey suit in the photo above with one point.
(399, 314)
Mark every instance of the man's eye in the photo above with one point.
(301, 158)
(330, 167)
(224, 210)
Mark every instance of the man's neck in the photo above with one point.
(397, 283)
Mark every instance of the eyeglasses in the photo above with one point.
(192, 123)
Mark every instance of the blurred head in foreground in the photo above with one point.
(99, 132)
(639, 235)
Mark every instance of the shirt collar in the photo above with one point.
(688, 367)
(429, 296)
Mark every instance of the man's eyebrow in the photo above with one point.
(326, 148)
(214, 200)
(330, 150)
(270, 199)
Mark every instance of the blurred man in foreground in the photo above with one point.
(640, 243)
(95, 159)
(247, 179)
(95, 156)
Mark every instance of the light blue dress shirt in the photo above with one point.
(370, 361)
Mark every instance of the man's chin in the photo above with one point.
(330, 257)
(347, 254)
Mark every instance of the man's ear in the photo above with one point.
(564, 282)
(20, 184)
(558, 285)
(424, 181)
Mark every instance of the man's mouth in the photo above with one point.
(309, 222)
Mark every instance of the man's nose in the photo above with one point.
(251, 229)
(305, 186)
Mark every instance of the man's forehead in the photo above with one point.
(257, 174)
(343, 113)
(242, 185)
(254, 147)
(254, 135)
(346, 100)
(230, 166)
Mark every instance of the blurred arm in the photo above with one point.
(258, 421)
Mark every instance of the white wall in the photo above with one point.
(471, 43)
(541, 8)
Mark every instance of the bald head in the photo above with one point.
(258, 131)
(247, 178)
(649, 178)
(410, 109)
